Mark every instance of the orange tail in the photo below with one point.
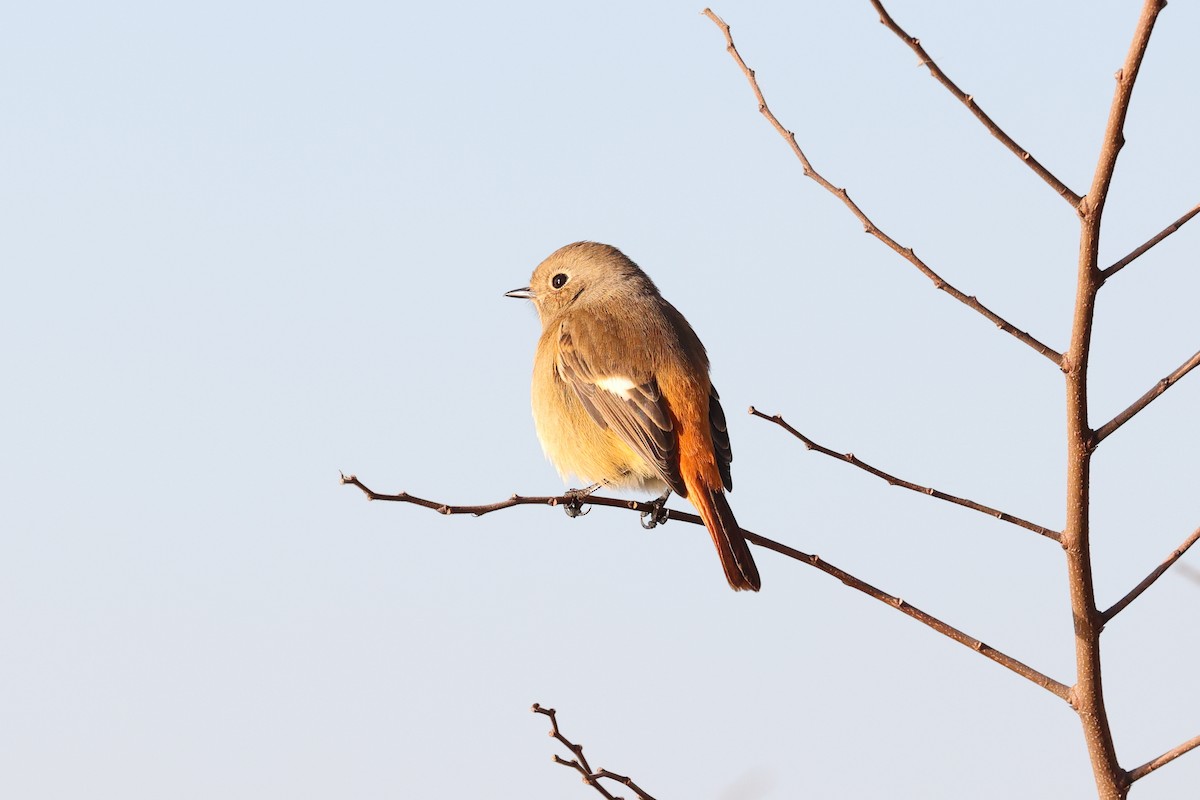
(739, 566)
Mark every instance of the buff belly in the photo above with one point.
(580, 448)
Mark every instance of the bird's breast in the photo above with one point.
(574, 442)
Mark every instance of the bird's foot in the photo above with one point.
(658, 513)
(574, 501)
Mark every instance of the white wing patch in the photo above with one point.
(618, 385)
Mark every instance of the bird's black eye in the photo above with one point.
(559, 280)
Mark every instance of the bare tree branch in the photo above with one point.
(1112, 782)
(892, 480)
(1092, 204)
(1049, 684)
(868, 225)
(925, 60)
(1086, 696)
(1137, 253)
(1166, 383)
(1175, 555)
(1165, 758)
(580, 764)
(1103, 432)
(566, 500)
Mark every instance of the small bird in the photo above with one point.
(622, 395)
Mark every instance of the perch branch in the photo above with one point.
(1175, 555)
(1049, 684)
(925, 60)
(1165, 758)
(1136, 254)
(869, 226)
(1166, 383)
(580, 764)
(892, 480)
(480, 510)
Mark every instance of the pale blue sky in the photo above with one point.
(247, 245)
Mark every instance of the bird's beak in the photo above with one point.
(521, 294)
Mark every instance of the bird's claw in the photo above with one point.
(573, 507)
(657, 515)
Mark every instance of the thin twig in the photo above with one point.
(580, 764)
(1049, 684)
(906, 252)
(925, 60)
(588, 777)
(566, 500)
(624, 780)
(1137, 253)
(1092, 204)
(1166, 383)
(1175, 555)
(1165, 758)
(892, 480)
(576, 749)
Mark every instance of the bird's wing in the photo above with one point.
(624, 400)
(720, 438)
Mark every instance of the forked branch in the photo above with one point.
(925, 60)
(906, 252)
(1029, 673)
(892, 480)
(580, 764)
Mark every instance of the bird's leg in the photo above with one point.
(658, 515)
(575, 498)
